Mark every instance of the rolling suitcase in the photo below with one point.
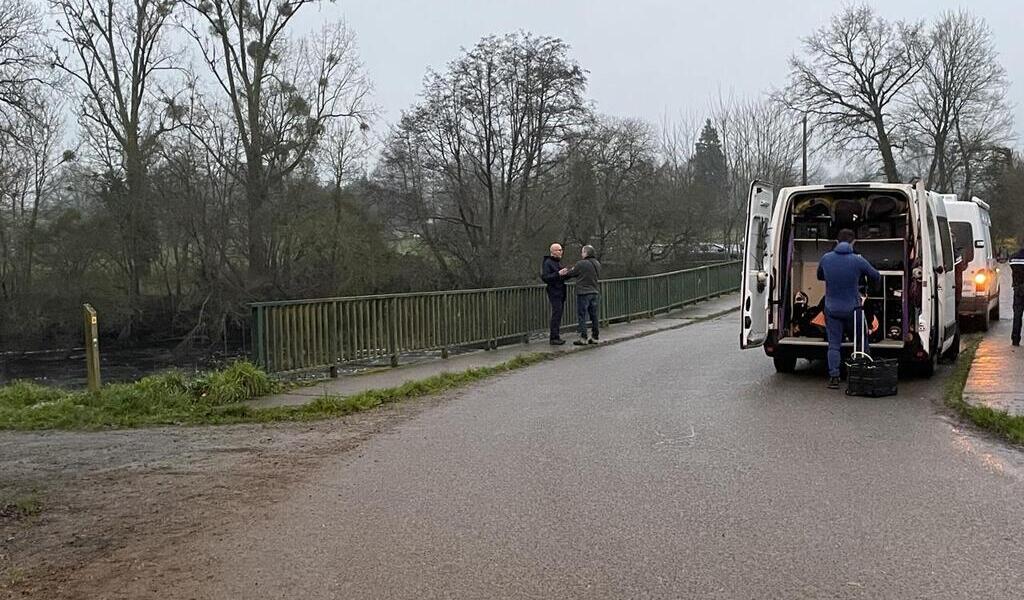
(866, 376)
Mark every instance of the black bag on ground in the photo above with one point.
(866, 376)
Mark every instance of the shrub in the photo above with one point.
(239, 382)
(24, 393)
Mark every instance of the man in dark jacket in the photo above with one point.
(588, 290)
(1017, 267)
(842, 271)
(550, 275)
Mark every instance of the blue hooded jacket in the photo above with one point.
(841, 270)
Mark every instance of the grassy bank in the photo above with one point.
(20, 507)
(216, 398)
(1003, 424)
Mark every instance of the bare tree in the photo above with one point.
(1003, 188)
(761, 139)
(854, 75)
(959, 101)
(343, 154)
(344, 151)
(114, 52)
(979, 140)
(277, 93)
(197, 210)
(473, 154)
(29, 169)
(610, 165)
(672, 199)
(21, 58)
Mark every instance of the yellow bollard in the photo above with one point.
(92, 348)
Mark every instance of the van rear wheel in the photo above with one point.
(926, 368)
(983, 322)
(994, 315)
(953, 353)
(784, 363)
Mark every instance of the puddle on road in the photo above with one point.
(993, 456)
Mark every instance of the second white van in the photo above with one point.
(971, 227)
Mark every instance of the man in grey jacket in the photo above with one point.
(588, 273)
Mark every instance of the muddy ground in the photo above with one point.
(112, 504)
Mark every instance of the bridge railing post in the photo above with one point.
(445, 334)
(492, 320)
(524, 312)
(393, 330)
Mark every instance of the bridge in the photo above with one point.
(320, 333)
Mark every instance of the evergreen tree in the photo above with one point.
(710, 176)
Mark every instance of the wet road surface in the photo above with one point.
(673, 466)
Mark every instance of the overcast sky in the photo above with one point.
(646, 58)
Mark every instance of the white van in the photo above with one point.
(901, 229)
(971, 227)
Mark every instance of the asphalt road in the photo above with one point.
(674, 466)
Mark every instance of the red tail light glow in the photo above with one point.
(981, 281)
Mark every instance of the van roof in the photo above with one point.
(874, 185)
(963, 207)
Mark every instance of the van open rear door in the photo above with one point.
(757, 272)
(927, 237)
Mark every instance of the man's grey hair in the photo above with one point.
(588, 251)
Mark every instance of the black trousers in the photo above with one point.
(557, 308)
(1018, 313)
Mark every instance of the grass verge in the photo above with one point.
(21, 507)
(213, 399)
(1009, 427)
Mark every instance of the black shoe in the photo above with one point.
(556, 342)
(833, 383)
(580, 342)
(592, 341)
(1017, 343)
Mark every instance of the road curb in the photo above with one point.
(1009, 427)
(643, 334)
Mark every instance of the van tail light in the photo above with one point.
(981, 281)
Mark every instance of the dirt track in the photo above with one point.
(115, 503)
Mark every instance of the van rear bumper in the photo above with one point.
(816, 349)
(975, 305)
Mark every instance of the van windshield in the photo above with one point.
(963, 239)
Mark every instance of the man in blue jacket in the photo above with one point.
(842, 271)
(550, 275)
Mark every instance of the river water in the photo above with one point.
(67, 368)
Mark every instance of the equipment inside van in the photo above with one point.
(880, 222)
(901, 230)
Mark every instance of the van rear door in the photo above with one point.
(757, 271)
(927, 238)
(945, 277)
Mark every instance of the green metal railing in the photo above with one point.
(304, 334)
